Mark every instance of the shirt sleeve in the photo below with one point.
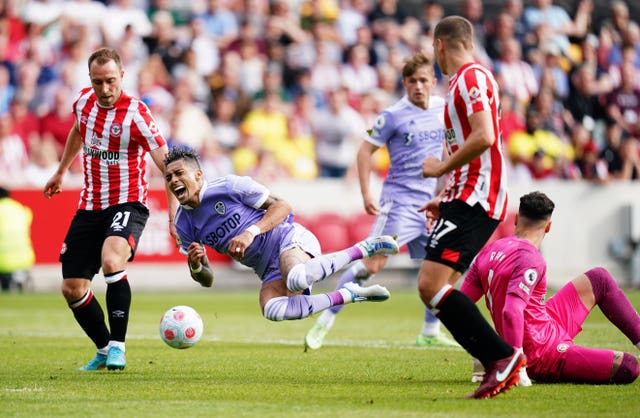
(149, 135)
(382, 129)
(250, 192)
(513, 320)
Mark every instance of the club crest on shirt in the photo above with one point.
(220, 208)
(116, 129)
(562, 347)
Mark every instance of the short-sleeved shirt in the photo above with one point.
(228, 206)
(515, 266)
(116, 140)
(474, 89)
(410, 134)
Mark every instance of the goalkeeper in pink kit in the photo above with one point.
(511, 274)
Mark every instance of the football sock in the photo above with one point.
(356, 273)
(470, 329)
(302, 276)
(299, 306)
(431, 325)
(614, 304)
(327, 318)
(118, 304)
(89, 315)
(628, 370)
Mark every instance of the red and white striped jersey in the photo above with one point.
(484, 180)
(116, 141)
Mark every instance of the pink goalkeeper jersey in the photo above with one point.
(515, 266)
(116, 141)
(473, 89)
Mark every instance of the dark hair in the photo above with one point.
(536, 206)
(104, 55)
(182, 153)
(455, 31)
(417, 60)
(3, 192)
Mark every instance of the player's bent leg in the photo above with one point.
(614, 304)
(301, 306)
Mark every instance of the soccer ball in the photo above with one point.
(181, 327)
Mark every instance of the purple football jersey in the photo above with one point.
(410, 134)
(228, 206)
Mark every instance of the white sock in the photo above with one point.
(118, 344)
(430, 329)
(326, 318)
(104, 350)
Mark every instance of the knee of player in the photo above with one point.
(112, 262)
(297, 278)
(628, 370)
(275, 308)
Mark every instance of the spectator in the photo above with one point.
(582, 105)
(25, 123)
(190, 124)
(516, 75)
(382, 11)
(204, 47)
(267, 121)
(623, 103)
(550, 112)
(550, 73)
(120, 14)
(225, 125)
(338, 130)
(590, 165)
(503, 31)
(389, 40)
(356, 73)
(325, 72)
(42, 165)
(162, 41)
(13, 153)
(56, 124)
(16, 251)
(611, 153)
(7, 90)
(537, 147)
(220, 23)
(630, 160)
(432, 12)
(559, 21)
(353, 14)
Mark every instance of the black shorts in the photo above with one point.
(459, 234)
(81, 253)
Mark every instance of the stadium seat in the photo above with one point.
(359, 225)
(331, 230)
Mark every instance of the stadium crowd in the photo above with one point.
(287, 88)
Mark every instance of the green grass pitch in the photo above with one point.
(246, 366)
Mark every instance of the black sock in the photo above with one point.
(91, 318)
(470, 329)
(118, 304)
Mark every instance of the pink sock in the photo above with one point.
(614, 304)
